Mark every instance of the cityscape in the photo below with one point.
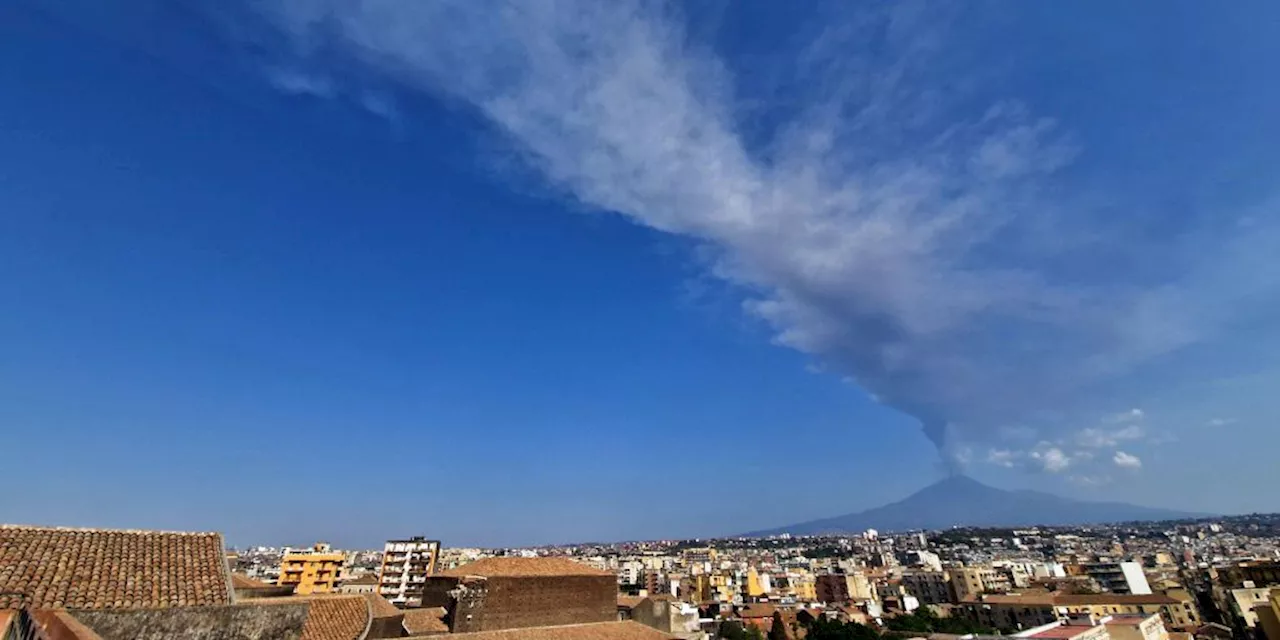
(1213, 578)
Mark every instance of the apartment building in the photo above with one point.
(405, 567)
(1115, 577)
(929, 587)
(314, 570)
(969, 582)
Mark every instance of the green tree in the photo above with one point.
(732, 630)
(778, 631)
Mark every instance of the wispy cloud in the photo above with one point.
(901, 240)
(1220, 422)
(1126, 460)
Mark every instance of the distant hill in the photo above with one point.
(963, 501)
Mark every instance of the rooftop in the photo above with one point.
(596, 631)
(524, 568)
(59, 567)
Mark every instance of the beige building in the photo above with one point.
(969, 582)
(1027, 610)
(929, 587)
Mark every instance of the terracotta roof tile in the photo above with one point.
(109, 569)
(597, 631)
(380, 607)
(524, 567)
(336, 619)
(629, 602)
(425, 621)
(241, 581)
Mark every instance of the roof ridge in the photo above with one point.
(108, 530)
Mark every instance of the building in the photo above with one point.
(664, 613)
(1116, 577)
(1016, 611)
(314, 570)
(1269, 615)
(515, 593)
(1136, 627)
(970, 582)
(1243, 603)
(929, 587)
(367, 583)
(404, 569)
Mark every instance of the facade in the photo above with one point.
(515, 593)
(1025, 611)
(1117, 577)
(832, 588)
(929, 587)
(364, 584)
(314, 570)
(405, 567)
(970, 582)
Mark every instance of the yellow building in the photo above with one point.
(755, 586)
(316, 570)
(803, 587)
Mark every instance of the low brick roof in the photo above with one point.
(314, 617)
(425, 621)
(241, 581)
(380, 607)
(524, 568)
(110, 569)
(628, 630)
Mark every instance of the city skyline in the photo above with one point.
(384, 268)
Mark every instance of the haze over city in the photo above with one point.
(525, 273)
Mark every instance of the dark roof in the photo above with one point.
(595, 631)
(111, 569)
(524, 568)
(327, 617)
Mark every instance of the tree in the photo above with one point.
(732, 630)
(778, 630)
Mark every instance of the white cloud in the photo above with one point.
(1051, 459)
(1098, 438)
(1220, 422)
(1002, 458)
(1126, 460)
(896, 239)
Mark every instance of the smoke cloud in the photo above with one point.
(910, 243)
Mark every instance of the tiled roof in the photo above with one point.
(108, 569)
(629, 602)
(368, 578)
(524, 568)
(424, 621)
(757, 610)
(337, 618)
(380, 607)
(241, 581)
(596, 631)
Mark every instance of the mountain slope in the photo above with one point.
(963, 501)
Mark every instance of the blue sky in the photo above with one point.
(298, 269)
